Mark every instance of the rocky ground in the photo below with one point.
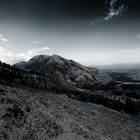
(29, 114)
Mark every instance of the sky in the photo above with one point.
(92, 32)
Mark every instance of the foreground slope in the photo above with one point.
(28, 114)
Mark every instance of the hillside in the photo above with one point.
(30, 114)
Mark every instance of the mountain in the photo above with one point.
(67, 72)
(53, 81)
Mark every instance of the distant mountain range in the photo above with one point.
(66, 72)
(125, 66)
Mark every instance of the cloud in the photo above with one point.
(112, 12)
(2, 38)
(33, 52)
(4, 52)
(11, 58)
(5, 55)
(134, 50)
(35, 42)
(138, 36)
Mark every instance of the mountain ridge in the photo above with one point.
(66, 71)
(123, 66)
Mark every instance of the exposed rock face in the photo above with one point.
(66, 71)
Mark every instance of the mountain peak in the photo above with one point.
(55, 56)
(56, 59)
(40, 57)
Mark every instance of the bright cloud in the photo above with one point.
(37, 51)
(108, 57)
(113, 12)
(2, 38)
(135, 50)
(5, 55)
(4, 52)
(35, 42)
(10, 57)
(138, 36)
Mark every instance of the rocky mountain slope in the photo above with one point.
(67, 72)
